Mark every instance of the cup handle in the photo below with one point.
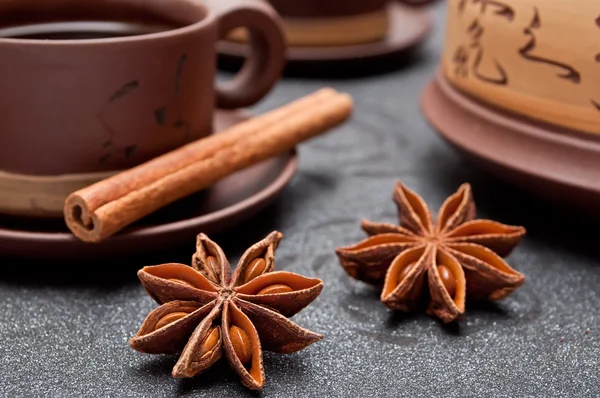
(266, 60)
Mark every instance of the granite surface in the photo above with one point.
(64, 329)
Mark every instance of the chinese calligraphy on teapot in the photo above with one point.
(540, 59)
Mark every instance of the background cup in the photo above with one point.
(334, 8)
(332, 23)
(94, 105)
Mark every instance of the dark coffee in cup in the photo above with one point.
(82, 30)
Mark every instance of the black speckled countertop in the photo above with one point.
(64, 329)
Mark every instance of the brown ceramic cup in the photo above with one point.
(97, 85)
(335, 23)
(334, 8)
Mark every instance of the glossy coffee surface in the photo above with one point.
(82, 30)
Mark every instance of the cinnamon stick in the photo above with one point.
(117, 186)
(261, 140)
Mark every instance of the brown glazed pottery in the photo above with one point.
(225, 204)
(517, 90)
(96, 85)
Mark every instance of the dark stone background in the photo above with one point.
(64, 330)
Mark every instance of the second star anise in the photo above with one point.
(443, 261)
(205, 311)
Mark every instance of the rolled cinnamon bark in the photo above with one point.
(93, 223)
(114, 187)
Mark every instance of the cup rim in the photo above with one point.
(166, 34)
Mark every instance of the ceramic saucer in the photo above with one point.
(225, 204)
(409, 26)
(559, 164)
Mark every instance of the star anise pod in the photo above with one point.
(449, 259)
(205, 311)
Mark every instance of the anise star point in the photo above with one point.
(206, 312)
(452, 258)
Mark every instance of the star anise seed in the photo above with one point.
(206, 312)
(456, 256)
